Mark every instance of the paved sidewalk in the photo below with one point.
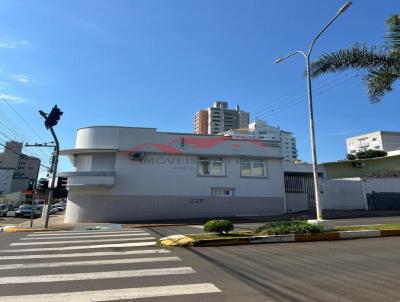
(56, 222)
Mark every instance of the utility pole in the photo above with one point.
(50, 120)
(37, 176)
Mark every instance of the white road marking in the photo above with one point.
(90, 262)
(80, 241)
(118, 294)
(93, 254)
(97, 275)
(85, 236)
(81, 247)
(73, 233)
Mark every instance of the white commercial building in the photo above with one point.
(135, 174)
(260, 130)
(379, 140)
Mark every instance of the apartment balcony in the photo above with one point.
(89, 179)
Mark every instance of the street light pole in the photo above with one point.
(307, 57)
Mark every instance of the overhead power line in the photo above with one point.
(19, 154)
(304, 98)
(22, 118)
(289, 98)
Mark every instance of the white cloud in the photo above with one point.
(4, 85)
(8, 43)
(22, 78)
(11, 98)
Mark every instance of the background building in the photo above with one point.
(219, 118)
(378, 140)
(25, 168)
(6, 177)
(260, 130)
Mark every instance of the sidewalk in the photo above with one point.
(56, 222)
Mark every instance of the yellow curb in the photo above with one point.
(17, 230)
(317, 237)
(387, 233)
(221, 242)
(176, 240)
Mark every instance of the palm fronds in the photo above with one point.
(381, 64)
(393, 32)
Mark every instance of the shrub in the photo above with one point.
(294, 226)
(218, 226)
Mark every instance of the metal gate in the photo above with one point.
(340, 194)
(301, 184)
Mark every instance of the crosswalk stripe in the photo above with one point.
(84, 236)
(97, 275)
(92, 254)
(80, 241)
(81, 247)
(73, 233)
(91, 262)
(118, 294)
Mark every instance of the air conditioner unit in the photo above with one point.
(137, 155)
(358, 164)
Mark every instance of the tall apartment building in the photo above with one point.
(25, 167)
(378, 140)
(260, 130)
(220, 118)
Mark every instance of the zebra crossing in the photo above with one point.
(80, 266)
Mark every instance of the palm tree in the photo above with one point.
(382, 64)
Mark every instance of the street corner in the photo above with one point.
(16, 229)
(176, 240)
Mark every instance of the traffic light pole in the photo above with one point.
(50, 120)
(50, 195)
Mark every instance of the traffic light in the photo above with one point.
(61, 182)
(53, 117)
(43, 184)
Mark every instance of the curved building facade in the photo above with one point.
(126, 174)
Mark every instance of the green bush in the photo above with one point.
(294, 226)
(218, 226)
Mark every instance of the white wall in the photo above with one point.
(383, 185)
(177, 176)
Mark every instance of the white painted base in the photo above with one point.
(327, 224)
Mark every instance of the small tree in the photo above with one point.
(370, 154)
(366, 154)
(218, 226)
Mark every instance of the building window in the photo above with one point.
(374, 139)
(377, 147)
(222, 192)
(253, 168)
(211, 166)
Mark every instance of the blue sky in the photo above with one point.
(154, 63)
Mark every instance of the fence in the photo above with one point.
(343, 194)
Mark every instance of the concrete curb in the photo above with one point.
(182, 240)
(28, 230)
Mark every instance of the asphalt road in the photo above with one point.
(11, 220)
(351, 270)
